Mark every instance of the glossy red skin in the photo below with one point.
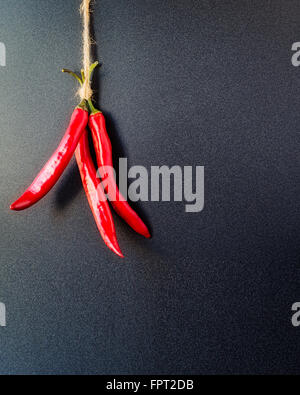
(103, 150)
(96, 196)
(54, 168)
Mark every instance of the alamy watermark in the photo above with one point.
(296, 315)
(2, 314)
(2, 55)
(161, 183)
(296, 56)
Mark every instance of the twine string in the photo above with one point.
(85, 91)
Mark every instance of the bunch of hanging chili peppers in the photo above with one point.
(76, 141)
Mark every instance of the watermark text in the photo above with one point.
(2, 314)
(2, 55)
(296, 316)
(161, 183)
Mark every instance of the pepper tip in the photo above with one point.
(119, 253)
(14, 207)
(148, 235)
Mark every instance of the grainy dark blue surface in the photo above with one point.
(186, 82)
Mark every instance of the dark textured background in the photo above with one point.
(186, 82)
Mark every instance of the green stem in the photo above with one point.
(92, 108)
(92, 69)
(83, 105)
(73, 74)
(90, 103)
(82, 75)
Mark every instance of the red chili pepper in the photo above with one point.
(103, 150)
(54, 168)
(95, 194)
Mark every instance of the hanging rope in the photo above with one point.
(86, 91)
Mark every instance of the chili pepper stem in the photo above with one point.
(92, 69)
(83, 105)
(73, 74)
(90, 102)
(92, 108)
(82, 75)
